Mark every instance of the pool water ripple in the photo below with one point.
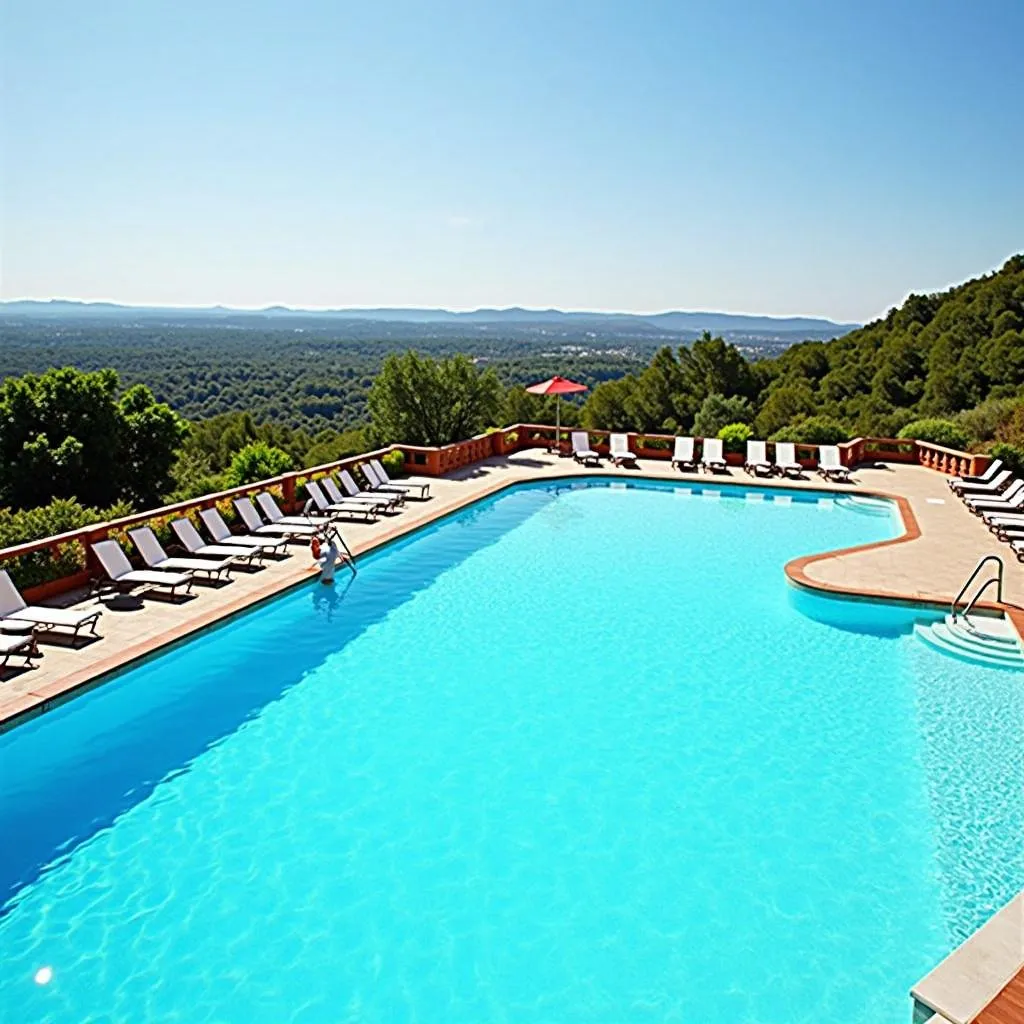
(574, 755)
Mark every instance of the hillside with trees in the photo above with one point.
(936, 357)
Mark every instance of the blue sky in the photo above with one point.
(820, 157)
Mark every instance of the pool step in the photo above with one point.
(981, 639)
(865, 506)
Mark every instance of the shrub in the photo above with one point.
(983, 422)
(813, 430)
(394, 462)
(59, 516)
(256, 461)
(653, 443)
(1011, 454)
(936, 431)
(735, 436)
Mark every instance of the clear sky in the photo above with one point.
(768, 156)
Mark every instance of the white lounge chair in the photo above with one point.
(712, 456)
(1009, 530)
(682, 454)
(194, 544)
(218, 530)
(829, 465)
(384, 500)
(120, 572)
(155, 557)
(272, 512)
(351, 491)
(1004, 520)
(377, 479)
(339, 509)
(581, 450)
(14, 607)
(785, 459)
(757, 459)
(990, 488)
(960, 483)
(20, 644)
(619, 451)
(1010, 499)
(255, 525)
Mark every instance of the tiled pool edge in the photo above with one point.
(796, 570)
(976, 972)
(35, 702)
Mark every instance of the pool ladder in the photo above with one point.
(997, 579)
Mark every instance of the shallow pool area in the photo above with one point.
(577, 753)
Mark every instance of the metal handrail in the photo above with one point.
(997, 579)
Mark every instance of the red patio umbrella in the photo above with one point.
(557, 386)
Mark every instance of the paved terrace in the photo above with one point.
(930, 566)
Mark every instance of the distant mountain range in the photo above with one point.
(673, 321)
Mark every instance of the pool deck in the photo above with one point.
(943, 544)
(940, 547)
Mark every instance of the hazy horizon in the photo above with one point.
(744, 158)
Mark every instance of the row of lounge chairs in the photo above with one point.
(712, 457)
(997, 498)
(269, 530)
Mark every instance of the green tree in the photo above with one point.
(67, 434)
(711, 365)
(256, 461)
(783, 406)
(419, 400)
(717, 411)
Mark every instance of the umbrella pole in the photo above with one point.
(558, 424)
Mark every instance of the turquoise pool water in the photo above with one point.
(576, 754)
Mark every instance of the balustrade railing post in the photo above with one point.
(288, 492)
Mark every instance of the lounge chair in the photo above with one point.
(351, 491)
(829, 465)
(14, 607)
(997, 521)
(377, 479)
(339, 509)
(272, 511)
(1009, 530)
(194, 544)
(959, 483)
(619, 451)
(256, 526)
(682, 455)
(120, 572)
(712, 458)
(757, 459)
(1010, 501)
(20, 644)
(785, 459)
(581, 450)
(155, 557)
(218, 530)
(989, 489)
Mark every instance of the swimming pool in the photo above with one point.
(577, 753)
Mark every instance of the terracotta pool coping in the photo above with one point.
(796, 569)
(38, 700)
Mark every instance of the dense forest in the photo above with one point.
(288, 377)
